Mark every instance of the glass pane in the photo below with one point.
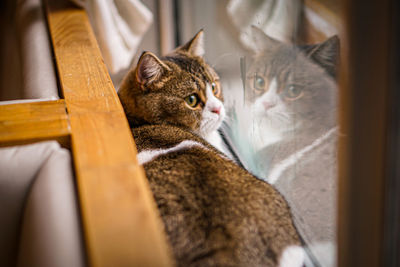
(277, 61)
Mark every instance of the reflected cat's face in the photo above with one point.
(178, 89)
(274, 99)
(287, 88)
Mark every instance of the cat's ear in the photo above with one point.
(195, 46)
(149, 68)
(262, 42)
(325, 54)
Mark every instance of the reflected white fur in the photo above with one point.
(273, 123)
(267, 129)
(283, 165)
(271, 97)
(292, 256)
(148, 155)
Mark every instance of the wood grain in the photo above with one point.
(33, 122)
(120, 219)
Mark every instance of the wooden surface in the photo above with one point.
(364, 87)
(33, 122)
(392, 195)
(120, 219)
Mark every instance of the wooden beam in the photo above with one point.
(121, 222)
(364, 100)
(34, 122)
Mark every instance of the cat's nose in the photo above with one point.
(268, 105)
(216, 110)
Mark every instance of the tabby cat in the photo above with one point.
(215, 213)
(292, 96)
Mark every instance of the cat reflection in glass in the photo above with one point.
(290, 140)
(215, 213)
(291, 91)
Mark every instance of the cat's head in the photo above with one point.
(179, 89)
(292, 86)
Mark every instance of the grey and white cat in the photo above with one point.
(291, 95)
(292, 89)
(215, 213)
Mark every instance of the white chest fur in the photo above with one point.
(215, 139)
(212, 120)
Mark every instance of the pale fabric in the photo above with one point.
(24, 101)
(277, 18)
(38, 71)
(39, 216)
(51, 234)
(119, 26)
(16, 176)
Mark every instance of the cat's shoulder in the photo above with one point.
(153, 141)
(164, 136)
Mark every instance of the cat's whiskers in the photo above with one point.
(277, 116)
(207, 125)
(228, 118)
(283, 116)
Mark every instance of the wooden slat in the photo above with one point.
(33, 122)
(364, 95)
(121, 222)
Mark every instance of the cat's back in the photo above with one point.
(310, 185)
(215, 212)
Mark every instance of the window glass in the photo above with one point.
(277, 60)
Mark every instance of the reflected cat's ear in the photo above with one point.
(262, 42)
(325, 54)
(195, 46)
(149, 68)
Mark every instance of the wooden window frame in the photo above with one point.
(368, 194)
(365, 89)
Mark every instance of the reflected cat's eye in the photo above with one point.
(259, 82)
(293, 92)
(214, 89)
(192, 100)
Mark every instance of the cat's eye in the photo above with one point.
(293, 92)
(192, 100)
(259, 82)
(214, 89)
